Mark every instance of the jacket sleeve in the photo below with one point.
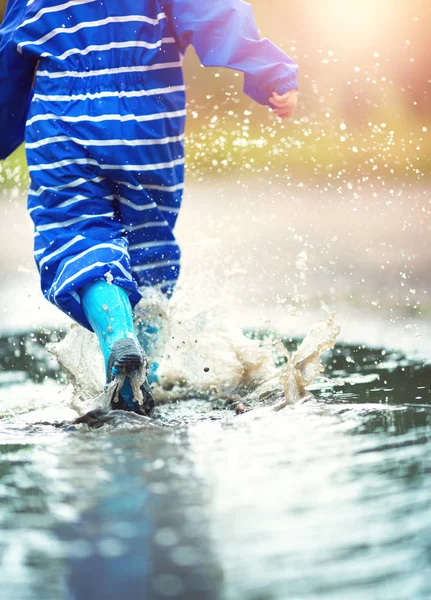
(224, 34)
(16, 78)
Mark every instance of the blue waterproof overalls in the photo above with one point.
(96, 87)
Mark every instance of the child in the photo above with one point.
(96, 87)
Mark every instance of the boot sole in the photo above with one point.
(126, 357)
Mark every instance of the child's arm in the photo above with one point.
(224, 34)
(16, 78)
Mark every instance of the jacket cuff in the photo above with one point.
(287, 86)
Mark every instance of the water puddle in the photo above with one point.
(31, 380)
(328, 498)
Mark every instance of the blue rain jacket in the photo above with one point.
(223, 33)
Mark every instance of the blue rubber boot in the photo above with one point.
(147, 334)
(150, 318)
(108, 309)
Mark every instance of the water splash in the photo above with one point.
(203, 357)
(304, 365)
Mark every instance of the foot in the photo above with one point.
(128, 365)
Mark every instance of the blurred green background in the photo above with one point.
(365, 83)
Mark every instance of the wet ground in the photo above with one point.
(328, 500)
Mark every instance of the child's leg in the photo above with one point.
(108, 309)
(149, 215)
(78, 236)
(79, 240)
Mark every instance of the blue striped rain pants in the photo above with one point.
(104, 127)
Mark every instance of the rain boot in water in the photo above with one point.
(151, 323)
(108, 309)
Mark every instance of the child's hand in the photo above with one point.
(285, 105)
